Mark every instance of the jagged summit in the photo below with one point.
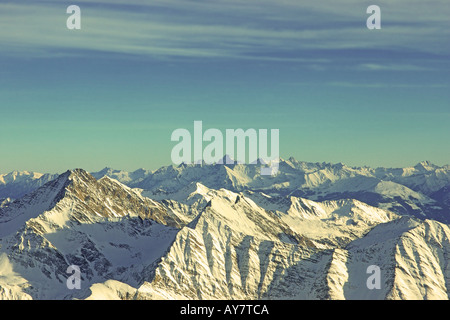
(77, 173)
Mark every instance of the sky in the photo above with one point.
(111, 93)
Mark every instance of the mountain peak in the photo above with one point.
(425, 165)
(78, 174)
(340, 165)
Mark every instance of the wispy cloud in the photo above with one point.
(264, 30)
(390, 67)
(379, 85)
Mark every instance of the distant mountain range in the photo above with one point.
(227, 232)
(421, 191)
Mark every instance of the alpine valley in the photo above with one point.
(227, 232)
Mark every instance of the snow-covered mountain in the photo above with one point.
(123, 176)
(225, 232)
(107, 229)
(420, 191)
(16, 184)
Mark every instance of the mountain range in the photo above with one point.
(421, 191)
(226, 232)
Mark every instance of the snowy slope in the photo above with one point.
(411, 254)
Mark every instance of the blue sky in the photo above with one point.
(111, 93)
